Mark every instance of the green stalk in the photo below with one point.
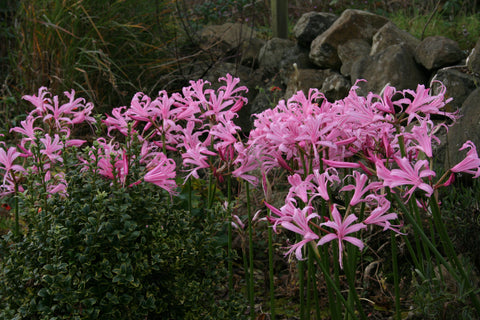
(332, 284)
(393, 242)
(250, 253)
(350, 267)
(301, 280)
(310, 271)
(271, 272)
(450, 250)
(229, 218)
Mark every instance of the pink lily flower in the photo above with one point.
(471, 163)
(299, 224)
(359, 187)
(406, 175)
(162, 174)
(52, 148)
(342, 228)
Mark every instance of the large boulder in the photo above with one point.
(312, 24)
(467, 128)
(331, 83)
(394, 66)
(272, 53)
(459, 84)
(352, 24)
(226, 38)
(351, 51)
(437, 52)
(294, 55)
(473, 61)
(389, 35)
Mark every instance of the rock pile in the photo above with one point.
(331, 52)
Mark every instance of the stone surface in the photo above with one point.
(467, 128)
(437, 52)
(394, 66)
(225, 37)
(389, 35)
(312, 24)
(331, 83)
(351, 51)
(294, 55)
(352, 24)
(272, 53)
(250, 50)
(458, 82)
(473, 61)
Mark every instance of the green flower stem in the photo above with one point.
(350, 267)
(310, 279)
(332, 285)
(230, 236)
(250, 253)
(301, 280)
(450, 250)
(271, 271)
(396, 281)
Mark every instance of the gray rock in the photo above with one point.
(459, 84)
(351, 51)
(273, 52)
(294, 55)
(352, 24)
(312, 24)
(389, 35)
(331, 83)
(226, 37)
(438, 52)
(473, 61)
(466, 128)
(250, 51)
(395, 66)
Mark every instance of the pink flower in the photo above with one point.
(299, 187)
(52, 148)
(406, 175)
(299, 224)
(342, 229)
(380, 217)
(161, 172)
(471, 163)
(359, 187)
(27, 128)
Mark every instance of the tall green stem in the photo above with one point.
(229, 219)
(271, 272)
(393, 242)
(250, 253)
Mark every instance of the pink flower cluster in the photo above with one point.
(358, 148)
(196, 124)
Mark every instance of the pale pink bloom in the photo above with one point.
(423, 136)
(342, 228)
(360, 188)
(406, 175)
(52, 148)
(80, 110)
(161, 172)
(141, 109)
(119, 120)
(471, 163)
(8, 157)
(322, 180)
(299, 224)
(196, 154)
(427, 104)
(285, 213)
(246, 162)
(39, 101)
(27, 128)
(380, 216)
(300, 188)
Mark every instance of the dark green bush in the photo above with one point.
(114, 253)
